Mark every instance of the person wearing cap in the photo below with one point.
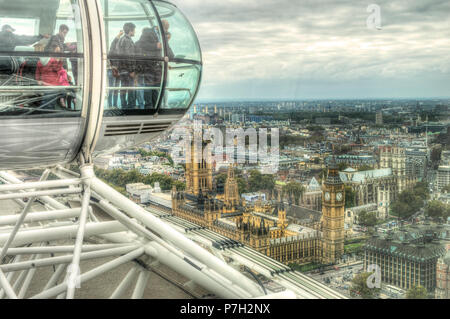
(9, 40)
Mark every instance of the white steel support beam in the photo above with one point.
(40, 184)
(87, 175)
(59, 233)
(27, 282)
(125, 283)
(43, 262)
(4, 283)
(9, 276)
(60, 249)
(183, 259)
(92, 273)
(192, 271)
(19, 221)
(55, 277)
(169, 234)
(40, 216)
(54, 192)
(141, 283)
(48, 200)
(19, 280)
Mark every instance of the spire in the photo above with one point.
(333, 164)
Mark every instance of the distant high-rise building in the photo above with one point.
(395, 158)
(379, 118)
(443, 276)
(443, 176)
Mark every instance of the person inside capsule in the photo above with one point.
(113, 72)
(149, 72)
(51, 72)
(9, 41)
(127, 68)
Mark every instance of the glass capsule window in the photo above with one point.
(182, 39)
(41, 58)
(183, 79)
(135, 57)
(154, 60)
(183, 51)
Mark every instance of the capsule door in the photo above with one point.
(43, 99)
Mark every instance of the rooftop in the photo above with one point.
(362, 176)
(419, 243)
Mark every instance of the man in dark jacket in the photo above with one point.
(150, 71)
(127, 66)
(9, 40)
(113, 72)
(59, 39)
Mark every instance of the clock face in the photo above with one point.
(339, 196)
(327, 196)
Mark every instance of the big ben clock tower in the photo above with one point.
(333, 202)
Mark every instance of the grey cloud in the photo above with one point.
(248, 44)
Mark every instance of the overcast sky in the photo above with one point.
(298, 49)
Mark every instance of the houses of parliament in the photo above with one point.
(263, 225)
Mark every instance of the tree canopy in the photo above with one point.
(350, 197)
(145, 153)
(359, 287)
(368, 219)
(446, 189)
(410, 201)
(437, 210)
(418, 292)
(258, 181)
(295, 190)
(120, 178)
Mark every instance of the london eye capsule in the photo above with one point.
(91, 77)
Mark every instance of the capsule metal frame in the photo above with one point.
(31, 142)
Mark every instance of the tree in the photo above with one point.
(365, 167)
(367, 219)
(436, 155)
(221, 178)
(180, 186)
(350, 197)
(446, 189)
(258, 181)
(294, 189)
(437, 210)
(421, 190)
(410, 201)
(145, 153)
(418, 292)
(342, 166)
(359, 287)
(242, 185)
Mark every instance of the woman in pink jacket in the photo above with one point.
(50, 72)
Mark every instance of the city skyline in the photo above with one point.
(311, 50)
